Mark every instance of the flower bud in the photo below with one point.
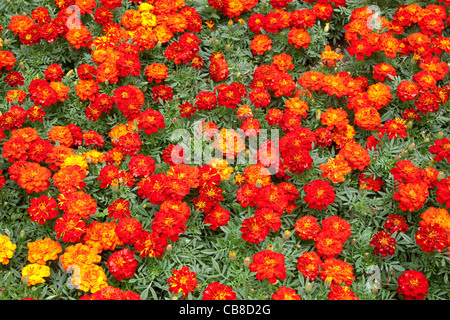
(232, 255)
(21, 65)
(412, 146)
(353, 242)
(440, 176)
(308, 287)
(318, 115)
(409, 124)
(327, 27)
(22, 233)
(366, 255)
(158, 44)
(25, 279)
(270, 247)
(440, 135)
(174, 298)
(286, 235)
(247, 261)
(169, 248)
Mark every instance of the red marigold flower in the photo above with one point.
(382, 71)
(335, 169)
(256, 22)
(150, 121)
(101, 235)
(370, 182)
(254, 229)
(53, 73)
(168, 224)
(129, 100)
(360, 48)
(42, 209)
(128, 229)
(307, 227)
(34, 178)
(41, 93)
(109, 176)
(103, 16)
(413, 285)
(383, 243)
(187, 109)
(367, 118)
(431, 236)
(327, 244)
(119, 209)
(441, 148)
(153, 188)
(122, 264)
(309, 264)
(141, 166)
(268, 264)
(407, 90)
(284, 293)
(70, 227)
(79, 37)
(217, 217)
(217, 291)
(282, 84)
(443, 192)
(319, 194)
(218, 68)
(336, 271)
(163, 92)
(394, 128)
(77, 202)
(183, 280)
(338, 226)
(395, 223)
(14, 79)
(205, 100)
(341, 293)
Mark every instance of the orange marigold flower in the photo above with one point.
(368, 118)
(439, 216)
(379, 95)
(34, 178)
(335, 169)
(78, 255)
(61, 135)
(87, 89)
(299, 38)
(43, 250)
(330, 57)
(260, 44)
(156, 72)
(412, 195)
(336, 271)
(268, 264)
(79, 37)
(69, 178)
(334, 117)
(101, 236)
(77, 203)
(229, 142)
(356, 156)
(327, 244)
(62, 91)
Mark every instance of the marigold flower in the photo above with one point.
(254, 229)
(89, 277)
(78, 255)
(284, 293)
(309, 264)
(43, 250)
(412, 195)
(35, 273)
(268, 264)
(319, 194)
(383, 243)
(70, 227)
(7, 249)
(330, 57)
(336, 271)
(341, 293)
(218, 291)
(150, 244)
(122, 264)
(335, 169)
(183, 280)
(431, 236)
(413, 285)
(101, 236)
(299, 38)
(367, 118)
(79, 37)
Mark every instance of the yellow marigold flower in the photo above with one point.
(145, 7)
(76, 160)
(43, 250)
(35, 273)
(6, 249)
(148, 19)
(94, 156)
(89, 277)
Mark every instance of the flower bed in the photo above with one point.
(234, 149)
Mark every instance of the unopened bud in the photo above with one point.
(366, 255)
(22, 233)
(175, 120)
(227, 47)
(174, 298)
(308, 287)
(216, 41)
(353, 242)
(318, 115)
(327, 27)
(21, 65)
(158, 44)
(270, 247)
(412, 146)
(169, 248)
(286, 235)
(440, 135)
(232, 255)
(440, 176)
(409, 124)
(247, 261)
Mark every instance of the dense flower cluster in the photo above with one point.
(89, 148)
